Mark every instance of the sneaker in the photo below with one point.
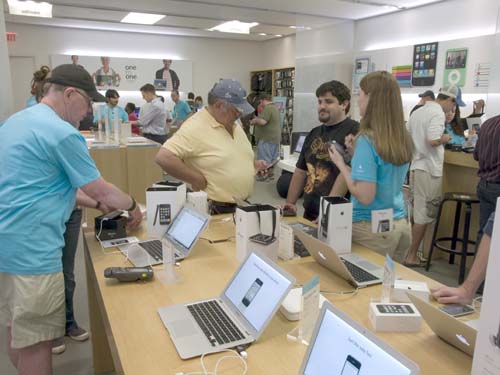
(58, 346)
(78, 334)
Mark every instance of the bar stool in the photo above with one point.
(459, 199)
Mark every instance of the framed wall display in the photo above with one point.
(424, 64)
(455, 69)
(402, 73)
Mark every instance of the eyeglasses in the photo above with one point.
(86, 97)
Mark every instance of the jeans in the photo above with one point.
(267, 151)
(161, 139)
(487, 192)
(68, 260)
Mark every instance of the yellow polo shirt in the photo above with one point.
(226, 162)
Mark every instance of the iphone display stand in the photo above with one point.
(309, 313)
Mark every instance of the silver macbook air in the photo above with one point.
(452, 330)
(351, 267)
(238, 316)
(339, 345)
(182, 234)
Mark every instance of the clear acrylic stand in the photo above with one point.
(309, 313)
(168, 275)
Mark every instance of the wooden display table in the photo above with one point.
(128, 336)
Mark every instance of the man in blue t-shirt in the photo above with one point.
(44, 161)
(181, 109)
(109, 109)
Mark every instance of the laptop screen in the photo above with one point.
(354, 353)
(300, 144)
(256, 290)
(187, 226)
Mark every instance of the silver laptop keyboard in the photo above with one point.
(215, 323)
(359, 274)
(155, 249)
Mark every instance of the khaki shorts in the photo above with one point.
(33, 306)
(425, 196)
(395, 243)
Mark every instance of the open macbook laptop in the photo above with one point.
(351, 267)
(183, 232)
(237, 317)
(452, 330)
(339, 345)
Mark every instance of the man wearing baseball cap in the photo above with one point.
(44, 161)
(426, 171)
(426, 96)
(212, 152)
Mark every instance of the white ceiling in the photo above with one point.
(194, 17)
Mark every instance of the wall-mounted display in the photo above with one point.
(129, 74)
(362, 67)
(402, 73)
(424, 64)
(482, 75)
(455, 67)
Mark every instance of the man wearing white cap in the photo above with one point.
(211, 152)
(426, 172)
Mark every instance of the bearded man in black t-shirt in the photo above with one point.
(315, 174)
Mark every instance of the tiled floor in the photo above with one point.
(77, 360)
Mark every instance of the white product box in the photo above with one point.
(163, 201)
(257, 229)
(417, 288)
(198, 200)
(394, 317)
(335, 223)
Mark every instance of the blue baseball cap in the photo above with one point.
(232, 92)
(459, 99)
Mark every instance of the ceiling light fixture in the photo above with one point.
(262, 34)
(235, 26)
(142, 18)
(279, 35)
(30, 8)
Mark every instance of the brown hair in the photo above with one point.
(383, 121)
(456, 123)
(38, 80)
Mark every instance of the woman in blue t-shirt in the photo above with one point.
(382, 152)
(454, 127)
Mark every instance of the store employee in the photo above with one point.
(109, 108)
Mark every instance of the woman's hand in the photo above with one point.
(337, 159)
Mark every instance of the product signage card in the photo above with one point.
(129, 74)
(310, 307)
(455, 67)
(487, 353)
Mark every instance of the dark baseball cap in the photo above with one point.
(75, 76)
(232, 92)
(428, 93)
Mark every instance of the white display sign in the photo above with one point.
(487, 351)
(129, 74)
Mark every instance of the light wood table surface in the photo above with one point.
(129, 337)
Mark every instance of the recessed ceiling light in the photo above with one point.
(142, 18)
(30, 8)
(263, 34)
(279, 35)
(235, 27)
(293, 27)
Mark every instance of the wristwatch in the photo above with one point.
(134, 205)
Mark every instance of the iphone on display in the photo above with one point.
(351, 366)
(252, 292)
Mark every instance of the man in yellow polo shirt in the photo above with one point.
(211, 152)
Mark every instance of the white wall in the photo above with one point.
(212, 58)
(278, 53)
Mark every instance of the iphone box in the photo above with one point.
(257, 229)
(394, 317)
(163, 201)
(335, 223)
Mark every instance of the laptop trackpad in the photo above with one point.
(183, 328)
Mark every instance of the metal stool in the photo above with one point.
(459, 198)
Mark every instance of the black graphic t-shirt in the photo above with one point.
(315, 160)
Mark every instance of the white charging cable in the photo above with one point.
(234, 354)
